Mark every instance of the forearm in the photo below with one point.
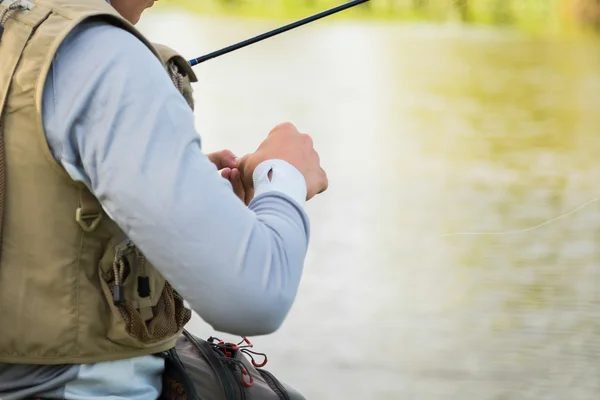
(250, 290)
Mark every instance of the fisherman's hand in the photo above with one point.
(284, 142)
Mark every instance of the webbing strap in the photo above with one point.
(89, 213)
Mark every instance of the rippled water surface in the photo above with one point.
(425, 131)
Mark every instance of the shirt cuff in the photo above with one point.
(285, 179)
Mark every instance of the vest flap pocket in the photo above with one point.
(144, 308)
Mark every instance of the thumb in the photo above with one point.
(242, 166)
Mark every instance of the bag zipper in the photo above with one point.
(274, 384)
(218, 368)
(188, 386)
(238, 380)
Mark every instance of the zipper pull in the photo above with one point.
(118, 295)
(143, 286)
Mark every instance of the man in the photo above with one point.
(112, 213)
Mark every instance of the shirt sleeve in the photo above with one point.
(115, 121)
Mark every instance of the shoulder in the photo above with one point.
(98, 42)
(98, 71)
(99, 63)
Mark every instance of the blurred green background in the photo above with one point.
(435, 120)
(536, 15)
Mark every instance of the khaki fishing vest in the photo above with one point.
(73, 288)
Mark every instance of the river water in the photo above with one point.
(426, 131)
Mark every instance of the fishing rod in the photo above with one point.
(277, 31)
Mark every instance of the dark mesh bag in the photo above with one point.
(197, 369)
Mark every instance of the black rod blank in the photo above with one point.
(277, 31)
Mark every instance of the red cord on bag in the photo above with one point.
(247, 383)
(261, 364)
(245, 350)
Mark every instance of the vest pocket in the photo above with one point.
(145, 310)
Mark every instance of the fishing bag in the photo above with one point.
(198, 369)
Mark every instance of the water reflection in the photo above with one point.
(425, 131)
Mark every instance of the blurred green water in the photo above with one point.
(425, 131)
(540, 16)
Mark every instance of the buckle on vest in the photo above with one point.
(82, 219)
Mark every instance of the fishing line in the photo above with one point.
(526, 229)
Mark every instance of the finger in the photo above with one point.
(246, 175)
(325, 181)
(236, 183)
(284, 126)
(240, 161)
(226, 173)
(323, 186)
(223, 159)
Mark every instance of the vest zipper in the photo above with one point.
(12, 8)
(274, 384)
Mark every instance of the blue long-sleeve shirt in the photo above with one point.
(115, 121)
